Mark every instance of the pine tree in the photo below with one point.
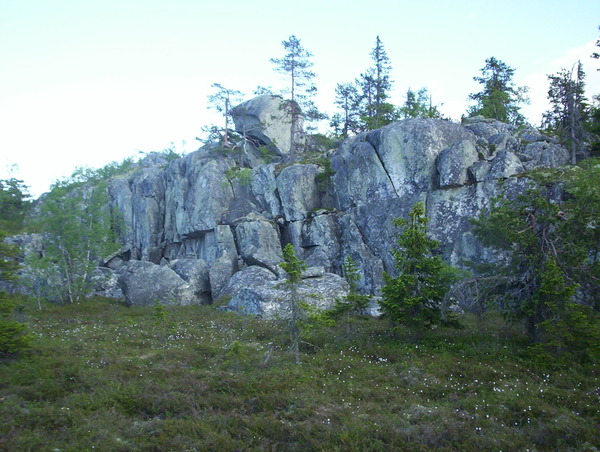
(414, 298)
(346, 98)
(296, 64)
(500, 98)
(374, 86)
(569, 109)
(13, 338)
(221, 100)
(419, 105)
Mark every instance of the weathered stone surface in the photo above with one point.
(193, 210)
(543, 155)
(408, 151)
(106, 283)
(248, 277)
(486, 128)
(298, 190)
(258, 242)
(195, 273)
(266, 119)
(454, 161)
(198, 195)
(219, 273)
(144, 283)
(264, 188)
(271, 300)
(505, 164)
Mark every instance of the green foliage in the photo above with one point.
(221, 100)
(549, 248)
(499, 99)
(85, 175)
(242, 175)
(78, 230)
(324, 177)
(414, 298)
(294, 268)
(297, 64)
(160, 313)
(569, 329)
(14, 205)
(374, 86)
(102, 377)
(13, 337)
(569, 109)
(419, 105)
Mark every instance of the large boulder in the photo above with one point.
(144, 283)
(252, 276)
(542, 154)
(266, 119)
(195, 273)
(258, 242)
(271, 300)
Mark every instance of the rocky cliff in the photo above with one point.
(206, 227)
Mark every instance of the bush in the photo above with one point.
(13, 339)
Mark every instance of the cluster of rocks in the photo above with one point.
(196, 232)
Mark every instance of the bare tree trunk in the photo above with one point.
(294, 325)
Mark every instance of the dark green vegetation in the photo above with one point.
(104, 376)
(415, 297)
(551, 258)
(14, 206)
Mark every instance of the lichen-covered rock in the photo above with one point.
(258, 242)
(144, 283)
(266, 119)
(195, 273)
(271, 300)
(504, 164)
(454, 161)
(199, 211)
(298, 190)
(252, 276)
(542, 154)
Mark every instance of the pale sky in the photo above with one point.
(87, 82)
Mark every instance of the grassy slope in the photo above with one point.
(107, 377)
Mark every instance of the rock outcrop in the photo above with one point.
(219, 230)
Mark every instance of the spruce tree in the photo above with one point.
(499, 99)
(569, 109)
(414, 297)
(297, 64)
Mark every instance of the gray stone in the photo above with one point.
(453, 163)
(504, 165)
(298, 191)
(272, 299)
(266, 119)
(542, 154)
(195, 273)
(144, 283)
(258, 242)
(220, 272)
(248, 277)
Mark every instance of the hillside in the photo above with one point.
(102, 376)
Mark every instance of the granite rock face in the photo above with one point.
(219, 230)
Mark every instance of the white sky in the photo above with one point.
(87, 82)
